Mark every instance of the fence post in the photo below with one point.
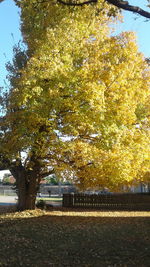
(68, 200)
(72, 199)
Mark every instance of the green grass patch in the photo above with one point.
(75, 238)
(53, 199)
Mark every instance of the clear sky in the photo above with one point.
(139, 25)
(10, 31)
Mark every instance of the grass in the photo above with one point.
(74, 238)
(52, 199)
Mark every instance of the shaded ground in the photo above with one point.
(75, 238)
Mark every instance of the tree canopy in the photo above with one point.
(79, 101)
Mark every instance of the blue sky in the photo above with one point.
(139, 25)
(9, 33)
(9, 25)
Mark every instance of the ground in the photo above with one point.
(61, 237)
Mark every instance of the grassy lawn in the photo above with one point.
(75, 238)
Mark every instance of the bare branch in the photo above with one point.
(77, 4)
(84, 166)
(118, 3)
(126, 6)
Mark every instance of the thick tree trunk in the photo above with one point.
(27, 191)
(21, 192)
(31, 194)
(26, 187)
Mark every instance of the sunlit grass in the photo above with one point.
(101, 213)
(54, 199)
(70, 213)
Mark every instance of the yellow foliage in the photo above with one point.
(83, 96)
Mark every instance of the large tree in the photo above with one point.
(30, 128)
(78, 103)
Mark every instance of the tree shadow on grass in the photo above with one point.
(75, 238)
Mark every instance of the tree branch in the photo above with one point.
(77, 4)
(126, 6)
(4, 163)
(118, 3)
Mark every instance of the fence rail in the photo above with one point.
(124, 201)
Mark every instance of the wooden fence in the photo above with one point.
(124, 201)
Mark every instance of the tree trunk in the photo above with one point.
(31, 193)
(21, 191)
(26, 187)
(27, 191)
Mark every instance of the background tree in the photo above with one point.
(51, 179)
(6, 179)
